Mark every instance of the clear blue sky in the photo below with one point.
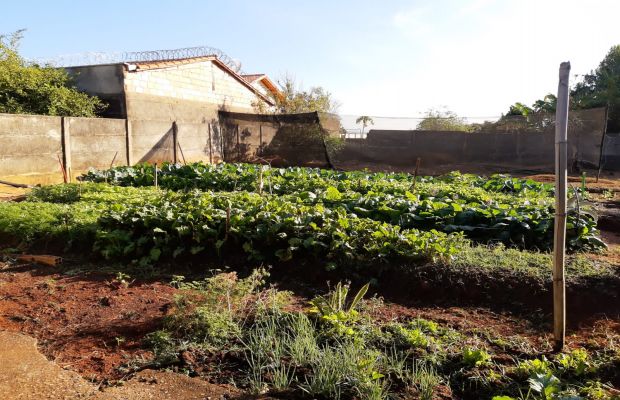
(377, 58)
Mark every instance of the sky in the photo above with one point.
(395, 58)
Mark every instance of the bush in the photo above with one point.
(27, 88)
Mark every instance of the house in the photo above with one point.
(187, 89)
(263, 84)
(172, 105)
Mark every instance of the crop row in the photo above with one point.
(146, 225)
(178, 224)
(513, 211)
(249, 177)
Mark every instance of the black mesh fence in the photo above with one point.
(509, 144)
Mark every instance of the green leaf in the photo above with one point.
(154, 254)
(332, 194)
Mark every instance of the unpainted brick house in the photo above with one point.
(190, 89)
(174, 106)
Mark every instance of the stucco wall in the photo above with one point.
(30, 145)
(29, 148)
(94, 142)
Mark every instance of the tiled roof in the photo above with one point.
(252, 77)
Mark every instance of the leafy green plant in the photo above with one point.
(540, 366)
(205, 326)
(576, 362)
(413, 337)
(336, 312)
(475, 357)
(546, 385)
(164, 347)
(498, 208)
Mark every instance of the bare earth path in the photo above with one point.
(27, 374)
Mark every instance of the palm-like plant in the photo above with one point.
(365, 120)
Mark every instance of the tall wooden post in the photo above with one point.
(238, 144)
(559, 238)
(210, 144)
(65, 132)
(128, 142)
(260, 140)
(175, 142)
(602, 151)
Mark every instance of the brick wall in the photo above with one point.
(197, 82)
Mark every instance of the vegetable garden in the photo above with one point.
(338, 225)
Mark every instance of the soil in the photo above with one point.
(89, 323)
(26, 374)
(605, 182)
(93, 325)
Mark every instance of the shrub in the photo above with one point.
(28, 88)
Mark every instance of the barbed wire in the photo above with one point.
(95, 58)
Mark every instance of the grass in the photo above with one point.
(298, 353)
(527, 262)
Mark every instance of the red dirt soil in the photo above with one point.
(93, 325)
(88, 323)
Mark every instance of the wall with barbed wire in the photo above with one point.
(42, 149)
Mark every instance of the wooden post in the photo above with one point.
(62, 169)
(65, 133)
(210, 144)
(227, 222)
(155, 175)
(415, 173)
(559, 237)
(113, 159)
(128, 142)
(238, 145)
(175, 141)
(223, 140)
(260, 140)
(600, 156)
(182, 155)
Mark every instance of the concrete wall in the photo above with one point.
(30, 145)
(190, 95)
(95, 142)
(29, 148)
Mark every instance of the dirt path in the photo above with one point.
(26, 374)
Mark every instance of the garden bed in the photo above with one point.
(462, 262)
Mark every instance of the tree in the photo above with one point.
(27, 88)
(601, 88)
(443, 120)
(365, 120)
(547, 105)
(293, 99)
